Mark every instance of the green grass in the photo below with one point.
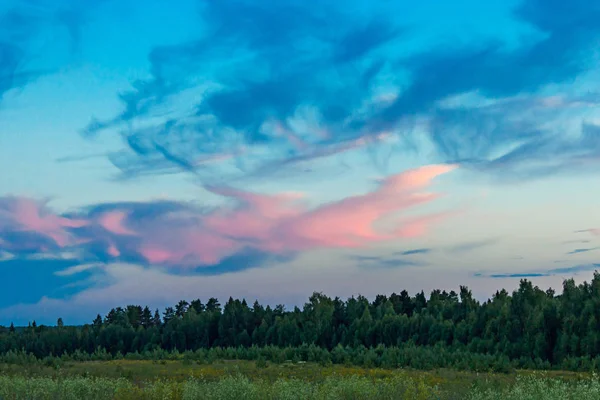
(132, 379)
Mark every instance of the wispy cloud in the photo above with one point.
(577, 251)
(414, 251)
(575, 241)
(185, 235)
(470, 246)
(23, 24)
(523, 275)
(574, 270)
(373, 262)
(5, 256)
(593, 231)
(75, 269)
(296, 90)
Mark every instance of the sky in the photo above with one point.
(267, 150)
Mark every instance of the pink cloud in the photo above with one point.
(350, 222)
(113, 251)
(181, 235)
(280, 223)
(18, 214)
(113, 221)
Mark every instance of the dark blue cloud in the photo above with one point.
(469, 246)
(243, 260)
(139, 210)
(12, 60)
(398, 263)
(23, 22)
(414, 251)
(523, 275)
(576, 251)
(27, 281)
(474, 135)
(286, 60)
(574, 270)
(385, 262)
(265, 61)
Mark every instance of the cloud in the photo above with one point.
(393, 261)
(516, 141)
(75, 269)
(470, 246)
(414, 251)
(374, 262)
(296, 107)
(292, 91)
(247, 229)
(593, 231)
(574, 270)
(524, 275)
(28, 225)
(26, 280)
(5, 256)
(576, 251)
(518, 133)
(23, 24)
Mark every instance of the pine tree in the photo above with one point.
(146, 318)
(156, 320)
(97, 321)
(168, 315)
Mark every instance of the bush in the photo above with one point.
(261, 362)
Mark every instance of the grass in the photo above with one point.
(182, 379)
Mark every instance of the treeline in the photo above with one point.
(529, 328)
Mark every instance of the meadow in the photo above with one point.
(237, 379)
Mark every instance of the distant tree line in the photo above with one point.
(529, 328)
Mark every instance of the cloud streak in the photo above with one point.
(574, 270)
(577, 251)
(470, 246)
(414, 251)
(592, 231)
(374, 262)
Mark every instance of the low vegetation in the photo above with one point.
(239, 387)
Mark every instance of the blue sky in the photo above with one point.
(260, 150)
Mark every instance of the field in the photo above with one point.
(181, 379)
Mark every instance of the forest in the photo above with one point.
(530, 328)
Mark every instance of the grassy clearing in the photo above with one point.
(239, 387)
(182, 379)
